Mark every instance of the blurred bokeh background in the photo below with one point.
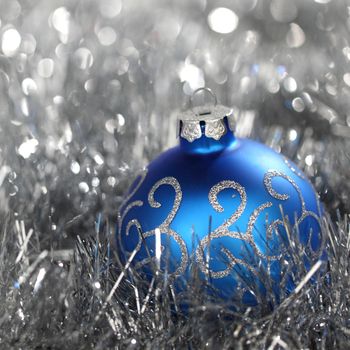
(90, 91)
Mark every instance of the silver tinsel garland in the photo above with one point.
(89, 93)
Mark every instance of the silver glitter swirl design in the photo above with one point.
(205, 243)
(164, 227)
(224, 229)
(136, 223)
(171, 181)
(250, 227)
(122, 213)
(213, 199)
(121, 216)
(141, 178)
(273, 226)
(184, 254)
(304, 212)
(268, 185)
(307, 213)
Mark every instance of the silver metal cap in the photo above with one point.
(211, 115)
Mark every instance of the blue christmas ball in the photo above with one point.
(220, 203)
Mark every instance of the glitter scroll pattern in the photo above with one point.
(222, 230)
(164, 227)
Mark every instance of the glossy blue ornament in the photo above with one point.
(225, 202)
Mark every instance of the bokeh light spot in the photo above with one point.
(83, 58)
(293, 135)
(295, 36)
(298, 104)
(61, 20)
(27, 148)
(24, 107)
(46, 67)
(75, 167)
(83, 187)
(192, 76)
(223, 20)
(111, 181)
(272, 86)
(11, 41)
(107, 36)
(346, 78)
(121, 119)
(90, 85)
(309, 159)
(29, 86)
(290, 85)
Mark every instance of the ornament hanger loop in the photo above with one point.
(204, 89)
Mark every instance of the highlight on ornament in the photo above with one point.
(225, 208)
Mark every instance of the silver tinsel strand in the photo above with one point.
(89, 93)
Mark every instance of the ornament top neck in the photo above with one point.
(206, 129)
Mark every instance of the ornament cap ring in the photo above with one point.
(204, 89)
